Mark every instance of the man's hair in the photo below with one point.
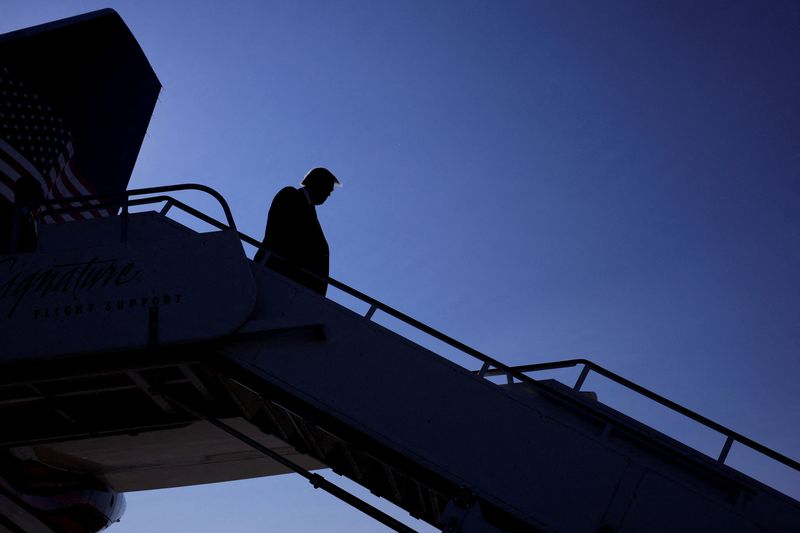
(320, 176)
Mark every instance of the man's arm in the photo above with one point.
(280, 235)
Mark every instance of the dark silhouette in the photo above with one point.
(102, 97)
(293, 232)
(19, 232)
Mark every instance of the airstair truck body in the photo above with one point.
(130, 340)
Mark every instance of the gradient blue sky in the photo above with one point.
(541, 180)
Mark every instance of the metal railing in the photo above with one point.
(731, 436)
(123, 201)
(490, 366)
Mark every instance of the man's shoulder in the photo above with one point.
(290, 199)
(287, 194)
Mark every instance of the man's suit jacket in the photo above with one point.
(293, 233)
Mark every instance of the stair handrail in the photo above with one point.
(731, 435)
(92, 202)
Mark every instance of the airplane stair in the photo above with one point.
(300, 382)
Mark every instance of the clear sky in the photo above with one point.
(542, 180)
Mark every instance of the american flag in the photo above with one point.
(35, 141)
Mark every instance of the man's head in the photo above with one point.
(319, 182)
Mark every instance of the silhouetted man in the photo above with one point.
(293, 232)
(18, 229)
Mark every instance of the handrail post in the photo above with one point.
(166, 208)
(726, 448)
(582, 377)
(371, 311)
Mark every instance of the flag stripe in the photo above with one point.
(76, 185)
(36, 143)
(63, 192)
(8, 172)
(19, 158)
(6, 191)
